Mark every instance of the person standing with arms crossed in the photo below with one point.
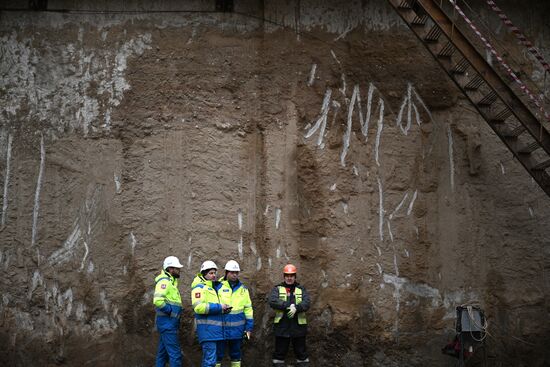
(167, 301)
(290, 301)
(209, 311)
(240, 320)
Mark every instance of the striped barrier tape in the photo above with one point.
(506, 67)
(519, 34)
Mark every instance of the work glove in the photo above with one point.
(291, 311)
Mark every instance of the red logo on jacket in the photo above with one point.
(198, 295)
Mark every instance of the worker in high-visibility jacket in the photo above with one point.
(209, 312)
(167, 301)
(238, 323)
(290, 301)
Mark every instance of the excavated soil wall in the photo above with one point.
(320, 133)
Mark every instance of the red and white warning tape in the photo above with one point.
(508, 69)
(519, 34)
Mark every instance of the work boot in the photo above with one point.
(235, 363)
(278, 363)
(219, 364)
(302, 363)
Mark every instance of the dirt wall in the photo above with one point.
(315, 132)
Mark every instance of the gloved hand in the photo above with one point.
(291, 311)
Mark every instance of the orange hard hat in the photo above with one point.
(289, 269)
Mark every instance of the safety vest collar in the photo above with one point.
(225, 282)
(166, 275)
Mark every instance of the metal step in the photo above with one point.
(474, 83)
(542, 165)
(515, 132)
(529, 148)
(446, 51)
(460, 67)
(501, 116)
(433, 34)
(488, 99)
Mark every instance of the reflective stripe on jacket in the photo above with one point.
(167, 301)
(283, 296)
(241, 317)
(207, 308)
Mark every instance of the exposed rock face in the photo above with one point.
(343, 149)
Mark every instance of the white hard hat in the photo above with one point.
(232, 265)
(171, 262)
(208, 264)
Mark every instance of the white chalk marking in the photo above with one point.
(266, 209)
(333, 187)
(189, 260)
(395, 263)
(278, 253)
(312, 75)
(86, 250)
(399, 206)
(277, 217)
(269, 262)
(531, 212)
(417, 233)
(324, 283)
(389, 230)
(36, 280)
(451, 161)
(90, 267)
(409, 104)
(380, 211)
(502, 168)
(118, 185)
(419, 100)
(407, 253)
(335, 58)
(133, 242)
(240, 247)
(379, 130)
(61, 255)
(344, 33)
(253, 247)
(322, 120)
(379, 251)
(355, 99)
(406, 103)
(355, 171)
(379, 268)
(344, 87)
(345, 207)
(259, 264)
(37, 192)
(240, 219)
(6, 181)
(411, 204)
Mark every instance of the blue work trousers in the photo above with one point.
(169, 349)
(208, 354)
(234, 349)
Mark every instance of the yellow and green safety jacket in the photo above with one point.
(167, 301)
(280, 299)
(241, 316)
(207, 308)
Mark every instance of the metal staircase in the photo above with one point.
(509, 117)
